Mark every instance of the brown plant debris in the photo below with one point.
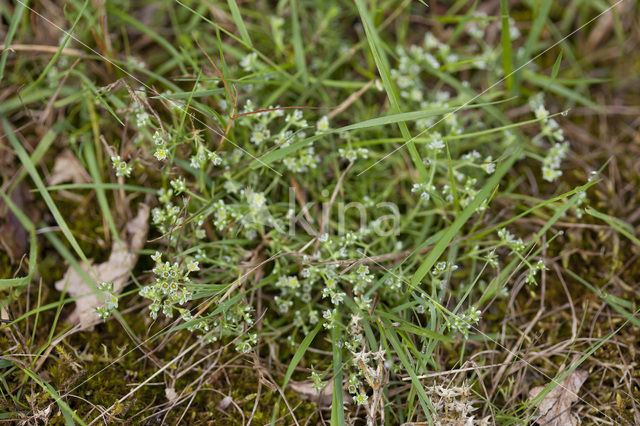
(116, 270)
(555, 408)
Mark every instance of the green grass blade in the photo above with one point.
(68, 414)
(26, 162)
(261, 55)
(413, 329)
(298, 47)
(427, 406)
(24, 99)
(90, 156)
(337, 406)
(116, 12)
(237, 18)
(53, 60)
(72, 262)
(38, 153)
(538, 24)
(619, 225)
(556, 67)
(375, 44)
(15, 21)
(507, 61)
(554, 86)
(95, 186)
(611, 300)
(304, 345)
(280, 153)
(502, 278)
(462, 218)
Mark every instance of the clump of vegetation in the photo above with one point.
(365, 212)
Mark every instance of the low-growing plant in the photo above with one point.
(339, 213)
(273, 212)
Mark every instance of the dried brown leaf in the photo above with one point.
(67, 168)
(116, 270)
(225, 403)
(555, 408)
(171, 394)
(306, 390)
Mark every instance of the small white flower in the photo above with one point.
(436, 143)
(121, 167)
(158, 138)
(248, 62)
(232, 187)
(192, 266)
(349, 154)
(541, 112)
(256, 200)
(179, 185)
(259, 135)
(489, 166)
(360, 398)
(215, 158)
(431, 60)
(161, 154)
(142, 119)
(323, 124)
(430, 41)
(550, 174)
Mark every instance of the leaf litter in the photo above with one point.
(555, 408)
(116, 270)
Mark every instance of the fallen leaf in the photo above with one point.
(68, 168)
(171, 394)
(224, 404)
(43, 414)
(306, 390)
(555, 408)
(116, 270)
(4, 315)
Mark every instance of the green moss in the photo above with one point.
(101, 367)
(6, 268)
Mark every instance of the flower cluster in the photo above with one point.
(533, 270)
(462, 323)
(550, 129)
(551, 163)
(120, 166)
(221, 212)
(160, 142)
(353, 154)
(507, 238)
(170, 288)
(249, 62)
(110, 300)
(142, 117)
(304, 161)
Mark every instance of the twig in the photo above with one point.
(351, 99)
(45, 49)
